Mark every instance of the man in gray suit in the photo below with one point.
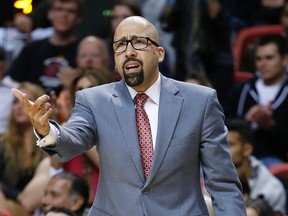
(187, 126)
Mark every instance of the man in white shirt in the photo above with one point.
(263, 100)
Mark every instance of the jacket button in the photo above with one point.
(146, 191)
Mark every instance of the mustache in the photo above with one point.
(132, 59)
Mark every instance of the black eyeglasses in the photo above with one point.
(138, 43)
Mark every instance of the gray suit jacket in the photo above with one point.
(191, 133)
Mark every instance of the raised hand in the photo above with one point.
(38, 112)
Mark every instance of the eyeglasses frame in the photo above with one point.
(130, 41)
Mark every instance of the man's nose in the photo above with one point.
(130, 51)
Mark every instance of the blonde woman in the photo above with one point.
(24, 170)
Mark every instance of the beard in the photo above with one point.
(134, 79)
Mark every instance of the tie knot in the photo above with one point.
(140, 99)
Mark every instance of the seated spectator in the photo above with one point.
(262, 101)
(65, 190)
(23, 168)
(261, 181)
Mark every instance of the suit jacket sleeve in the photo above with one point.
(221, 179)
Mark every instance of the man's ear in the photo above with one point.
(248, 149)
(77, 203)
(161, 52)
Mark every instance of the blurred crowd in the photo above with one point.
(64, 46)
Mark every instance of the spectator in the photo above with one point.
(39, 61)
(92, 52)
(65, 190)
(261, 181)
(23, 168)
(262, 100)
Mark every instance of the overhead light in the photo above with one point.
(25, 5)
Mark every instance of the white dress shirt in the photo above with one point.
(151, 106)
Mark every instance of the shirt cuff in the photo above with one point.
(48, 140)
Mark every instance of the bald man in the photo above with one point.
(92, 52)
(155, 172)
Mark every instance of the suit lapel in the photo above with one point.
(169, 109)
(124, 106)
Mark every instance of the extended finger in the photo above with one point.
(22, 97)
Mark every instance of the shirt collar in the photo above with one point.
(153, 91)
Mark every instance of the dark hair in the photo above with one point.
(261, 206)
(242, 127)
(279, 40)
(79, 187)
(80, 5)
(131, 4)
(61, 210)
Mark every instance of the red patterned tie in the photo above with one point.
(144, 133)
